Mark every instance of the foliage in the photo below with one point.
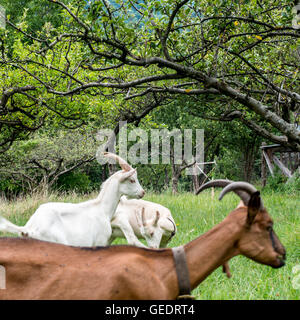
(36, 13)
(230, 68)
(294, 181)
(277, 181)
(40, 161)
(74, 181)
(122, 54)
(280, 183)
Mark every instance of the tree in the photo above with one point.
(100, 62)
(40, 161)
(221, 52)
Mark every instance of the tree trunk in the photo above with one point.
(248, 158)
(175, 177)
(167, 180)
(175, 184)
(195, 179)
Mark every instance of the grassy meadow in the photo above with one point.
(195, 215)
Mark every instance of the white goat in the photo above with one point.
(143, 219)
(81, 224)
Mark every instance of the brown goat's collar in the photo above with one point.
(182, 273)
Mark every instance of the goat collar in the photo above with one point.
(182, 273)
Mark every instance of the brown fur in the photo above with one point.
(43, 270)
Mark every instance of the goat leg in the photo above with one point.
(226, 269)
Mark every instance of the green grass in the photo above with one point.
(195, 215)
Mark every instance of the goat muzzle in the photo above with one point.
(142, 193)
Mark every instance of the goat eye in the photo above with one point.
(132, 180)
(269, 228)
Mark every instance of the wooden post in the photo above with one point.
(195, 178)
(268, 162)
(166, 177)
(263, 167)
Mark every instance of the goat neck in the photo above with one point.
(109, 197)
(212, 249)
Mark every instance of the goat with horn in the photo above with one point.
(81, 224)
(139, 219)
(243, 189)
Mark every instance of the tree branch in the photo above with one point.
(11, 91)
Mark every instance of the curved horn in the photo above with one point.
(143, 217)
(241, 186)
(174, 225)
(123, 164)
(221, 183)
(157, 216)
(214, 183)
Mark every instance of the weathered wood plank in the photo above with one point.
(270, 165)
(282, 167)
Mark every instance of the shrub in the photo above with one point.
(293, 183)
(281, 183)
(74, 181)
(9, 188)
(276, 182)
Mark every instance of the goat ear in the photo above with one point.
(127, 174)
(254, 206)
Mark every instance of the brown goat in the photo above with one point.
(43, 270)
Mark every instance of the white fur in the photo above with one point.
(128, 223)
(80, 224)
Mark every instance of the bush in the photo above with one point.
(74, 181)
(276, 182)
(9, 188)
(293, 183)
(281, 183)
(94, 172)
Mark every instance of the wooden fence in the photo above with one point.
(286, 160)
